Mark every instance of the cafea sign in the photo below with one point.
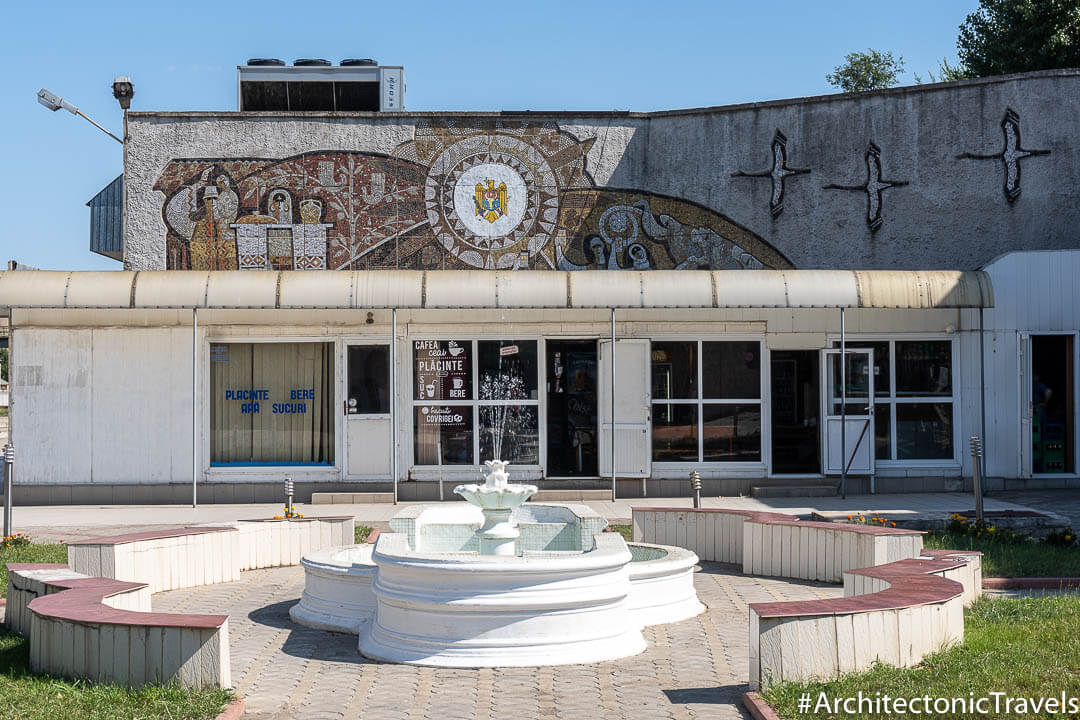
(442, 369)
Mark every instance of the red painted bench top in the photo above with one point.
(772, 518)
(81, 601)
(912, 582)
(151, 535)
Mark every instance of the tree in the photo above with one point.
(870, 70)
(3, 363)
(1010, 36)
(947, 73)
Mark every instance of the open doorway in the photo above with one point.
(796, 412)
(1052, 410)
(571, 408)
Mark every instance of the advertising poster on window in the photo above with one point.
(442, 370)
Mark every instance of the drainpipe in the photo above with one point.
(194, 406)
(612, 392)
(393, 401)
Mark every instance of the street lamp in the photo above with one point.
(54, 102)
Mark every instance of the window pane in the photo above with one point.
(518, 428)
(731, 433)
(924, 431)
(369, 379)
(674, 370)
(445, 428)
(881, 362)
(271, 403)
(674, 434)
(442, 370)
(731, 370)
(882, 434)
(507, 369)
(924, 368)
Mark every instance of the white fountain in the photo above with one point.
(497, 499)
(496, 581)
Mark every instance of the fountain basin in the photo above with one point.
(337, 590)
(460, 609)
(662, 584)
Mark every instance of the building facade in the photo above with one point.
(607, 300)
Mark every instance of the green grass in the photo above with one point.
(1020, 646)
(42, 697)
(1005, 559)
(627, 531)
(28, 554)
(3, 410)
(360, 533)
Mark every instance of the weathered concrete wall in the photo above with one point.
(930, 206)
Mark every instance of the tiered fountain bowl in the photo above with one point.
(498, 582)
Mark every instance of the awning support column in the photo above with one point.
(611, 390)
(194, 406)
(393, 401)
(843, 406)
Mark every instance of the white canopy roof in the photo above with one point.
(375, 289)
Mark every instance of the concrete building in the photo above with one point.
(469, 274)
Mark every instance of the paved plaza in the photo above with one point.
(693, 669)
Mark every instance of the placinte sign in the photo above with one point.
(442, 370)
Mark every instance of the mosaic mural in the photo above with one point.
(492, 194)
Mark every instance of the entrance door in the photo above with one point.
(1051, 408)
(857, 454)
(572, 449)
(368, 439)
(796, 412)
(633, 404)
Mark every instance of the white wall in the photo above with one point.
(106, 405)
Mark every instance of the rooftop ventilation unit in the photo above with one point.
(313, 84)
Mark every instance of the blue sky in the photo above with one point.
(458, 56)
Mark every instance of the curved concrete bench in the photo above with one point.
(900, 603)
(100, 629)
(768, 543)
(897, 613)
(186, 557)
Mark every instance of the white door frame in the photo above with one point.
(348, 419)
(866, 434)
(1026, 377)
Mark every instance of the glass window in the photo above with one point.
(271, 404)
(731, 370)
(508, 359)
(444, 435)
(882, 380)
(368, 389)
(924, 431)
(675, 433)
(923, 368)
(882, 431)
(674, 370)
(442, 370)
(517, 429)
(731, 432)
(475, 400)
(703, 421)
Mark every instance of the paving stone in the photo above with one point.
(693, 669)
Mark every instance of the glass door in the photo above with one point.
(849, 411)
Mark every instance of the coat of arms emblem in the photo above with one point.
(490, 201)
